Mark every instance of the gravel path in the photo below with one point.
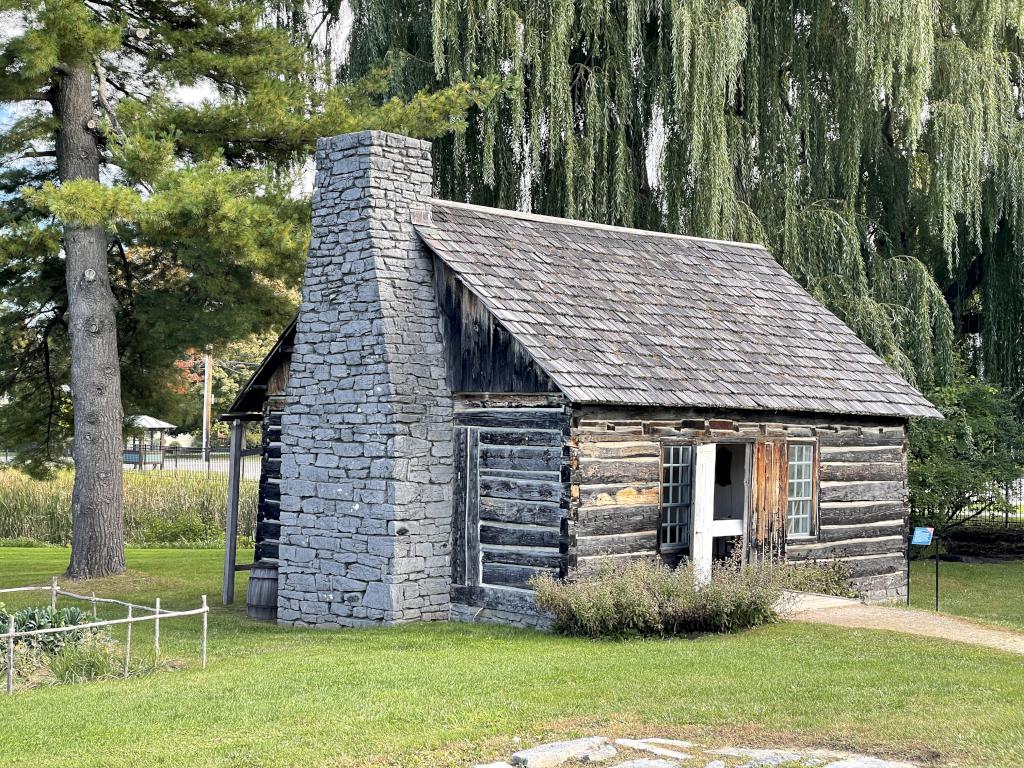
(910, 622)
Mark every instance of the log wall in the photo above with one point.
(511, 504)
(614, 469)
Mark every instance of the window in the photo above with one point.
(676, 496)
(800, 506)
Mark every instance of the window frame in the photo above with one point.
(683, 546)
(812, 533)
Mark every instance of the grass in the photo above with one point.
(992, 592)
(446, 695)
(161, 508)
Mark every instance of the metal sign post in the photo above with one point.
(922, 538)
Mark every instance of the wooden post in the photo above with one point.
(53, 593)
(94, 606)
(206, 613)
(156, 632)
(128, 643)
(10, 654)
(231, 518)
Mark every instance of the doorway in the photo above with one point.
(731, 497)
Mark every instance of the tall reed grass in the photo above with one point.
(160, 508)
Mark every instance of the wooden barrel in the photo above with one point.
(261, 598)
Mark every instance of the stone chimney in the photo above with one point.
(366, 464)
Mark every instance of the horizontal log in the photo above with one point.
(499, 574)
(269, 510)
(879, 490)
(270, 491)
(514, 418)
(535, 558)
(523, 490)
(268, 529)
(510, 400)
(831, 534)
(524, 458)
(856, 548)
(619, 544)
(839, 513)
(518, 474)
(861, 471)
(267, 550)
(618, 449)
(872, 454)
(491, 437)
(638, 470)
(635, 495)
(528, 512)
(495, 599)
(601, 521)
(520, 536)
(868, 438)
(876, 566)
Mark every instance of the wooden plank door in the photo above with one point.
(766, 533)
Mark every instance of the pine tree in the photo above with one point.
(873, 145)
(132, 215)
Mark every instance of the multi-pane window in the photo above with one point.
(800, 507)
(676, 496)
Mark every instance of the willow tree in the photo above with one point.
(138, 223)
(875, 147)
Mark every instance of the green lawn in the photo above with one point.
(992, 592)
(436, 695)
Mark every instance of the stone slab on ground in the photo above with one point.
(645, 762)
(559, 752)
(648, 745)
(607, 752)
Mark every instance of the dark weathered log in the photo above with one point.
(267, 550)
(535, 558)
(618, 448)
(521, 458)
(528, 512)
(499, 574)
(520, 536)
(857, 514)
(874, 566)
(459, 462)
(589, 565)
(868, 491)
(601, 521)
(270, 490)
(873, 454)
(519, 418)
(472, 507)
(869, 438)
(894, 528)
(620, 544)
(516, 474)
(636, 495)
(269, 509)
(861, 471)
(268, 529)
(523, 490)
(843, 549)
(520, 437)
(641, 470)
(495, 599)
(272, 451)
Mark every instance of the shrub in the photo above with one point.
(644, 598)
(824, 577)
(33, 618)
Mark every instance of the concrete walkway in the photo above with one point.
(842, 612)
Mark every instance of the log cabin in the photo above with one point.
(470, 397)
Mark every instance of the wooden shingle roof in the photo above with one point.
(629, 317)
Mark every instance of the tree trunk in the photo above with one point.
(97, 512)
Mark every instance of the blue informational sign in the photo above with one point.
(922, 536)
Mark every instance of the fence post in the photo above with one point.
(128, 643)
(53, 593)
(10, 654)
(206, 613)
(94, 606)
(156, 632)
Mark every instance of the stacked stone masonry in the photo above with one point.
(366, 433)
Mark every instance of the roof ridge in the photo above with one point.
(588, 224)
